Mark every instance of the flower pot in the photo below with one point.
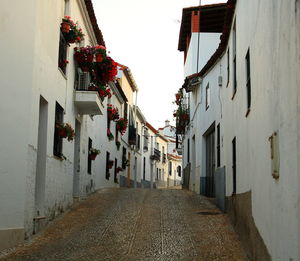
(99, 58)
(65, 27)
(92, 89)
(93, 156)
(62, 133)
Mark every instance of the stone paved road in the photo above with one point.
(129, 224)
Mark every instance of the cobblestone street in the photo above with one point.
(129, 224)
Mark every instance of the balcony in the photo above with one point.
(86, 101)
(155, 155)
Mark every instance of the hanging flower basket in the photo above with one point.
(65, 130)
(99, 58)
(110, 164)
(112, 112)
(65, 27)
(118, 169)
(122, 125)
(93, 153)
(110, 135)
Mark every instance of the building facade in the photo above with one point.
(241, 142)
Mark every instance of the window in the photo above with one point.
(62, 53)
(115, 175)
(218, 146)
(107, 175)
(57, 144)
(228, 66)
(179, 171)
(89, 159)
(234, 165)
(124, 158)
(207, 97)
(170, 168)
(125, 110)
(146, 139)
(248, 81)
(234, 58)
(144, 169)
(188, 151)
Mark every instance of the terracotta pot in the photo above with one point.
(93, 156)
(65, 27)
(99, 58)
(62, 133)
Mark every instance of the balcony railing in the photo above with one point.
(86, 101)
(155, 155)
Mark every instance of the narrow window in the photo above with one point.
(62, 53)
(207, 96)
(115, 175)
(234, 58)
(234, 165)
(90, 145)
(218, 146)
(107, 175)
(179, 171)
(228, 66)
(170, 168)
(188, 151)
(248, 81)
(144, 169)
(125, 110)
(58, 143)
(124, 158)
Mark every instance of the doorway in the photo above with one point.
(210, 162)
(40, 178)
(76, 170)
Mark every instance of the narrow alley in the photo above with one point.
(136, 224)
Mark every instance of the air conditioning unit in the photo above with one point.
(84, 80)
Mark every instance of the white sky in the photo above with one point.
(143, 35)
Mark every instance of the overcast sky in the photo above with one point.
(143, 35)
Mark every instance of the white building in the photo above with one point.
(173, 158)
(241, 144)
(41, 173)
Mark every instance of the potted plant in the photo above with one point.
(93, 153)
(65, 131)
(110, 135)
(71, 31)
(100, 53)
(65, 26)
(84, 57)
(122, 125)
(112, 112)
(118, 169)
(110, 164)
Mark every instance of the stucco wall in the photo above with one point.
(268, 29)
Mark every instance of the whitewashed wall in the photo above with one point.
(269, 29)
(16, 90)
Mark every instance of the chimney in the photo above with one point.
(167, 123)
(195, 24)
